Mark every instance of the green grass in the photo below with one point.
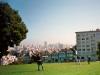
(52, 69)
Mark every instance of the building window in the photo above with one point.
(83, 49)
(87, 45)
(78, 35)
(83, 41)
(92, 40)
(83, 45)
(87, 41)
(93, 45)
(78, 38)
(83, 38)
(83, 35)
(93, 35)
(93, 48)
(78, 46)
(87, 38)
(79, 50)
(88, 49)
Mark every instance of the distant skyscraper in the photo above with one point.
(60, 46)
(45, 45)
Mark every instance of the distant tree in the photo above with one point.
(98, 51)
(12, 28)
(73, 49)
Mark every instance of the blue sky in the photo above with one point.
(57, 20)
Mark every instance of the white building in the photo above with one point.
(87, 43)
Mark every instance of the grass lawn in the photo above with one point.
(52, 69)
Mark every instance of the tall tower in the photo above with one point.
(45, 44)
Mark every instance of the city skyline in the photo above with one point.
(56, 21)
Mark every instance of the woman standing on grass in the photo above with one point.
(39, 61)
(36, 57)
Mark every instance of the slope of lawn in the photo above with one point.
(52, 69)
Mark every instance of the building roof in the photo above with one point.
(97, 30)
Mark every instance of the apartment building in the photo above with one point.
(86, 43)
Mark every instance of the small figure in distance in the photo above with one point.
(78, 59)
(88, 59)
(39, 61)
